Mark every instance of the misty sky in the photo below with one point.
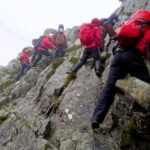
(23, 20)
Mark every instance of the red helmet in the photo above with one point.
(96, 22)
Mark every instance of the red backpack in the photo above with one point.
(144, 43)
(87, 33)
(133, 30)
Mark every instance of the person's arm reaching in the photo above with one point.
(49, 44)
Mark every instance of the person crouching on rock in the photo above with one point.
(25, 64)
(91, 39)
(42, 49)
(35, 52)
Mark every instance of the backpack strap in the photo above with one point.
(143, 21)
(148, 52)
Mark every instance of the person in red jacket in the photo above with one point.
(91, 50)
(42, 49)
(128, 58)
(25, 64)
(60, 41)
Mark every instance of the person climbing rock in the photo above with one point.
(107, 27)
(25, 64)
(41, 49)
(60, 41)
(35, 53)
(91, 39)
(128, 58)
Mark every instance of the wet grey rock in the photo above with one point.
(137, 89)
(72, 35)
(13, 67)
(50, 31)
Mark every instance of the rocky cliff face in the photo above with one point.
(50, 110)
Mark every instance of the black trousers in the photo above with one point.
(34, 56)
(123, 62)
(39, 55)
(24, 69)
(60, 50)
(88, 52)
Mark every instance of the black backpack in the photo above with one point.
(38, 42)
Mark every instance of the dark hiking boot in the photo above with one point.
(32, 65)
(98, 74)
(95, 125)
(96, 128)
(69, 71)
(98, 68)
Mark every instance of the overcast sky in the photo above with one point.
(23, 20)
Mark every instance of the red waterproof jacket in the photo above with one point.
(46, 44)
(24, 56)
(60, 39)
(144, 42)
(97, 42)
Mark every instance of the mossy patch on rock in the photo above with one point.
(2, 119)
(3, 115)
(125, 140)
(24, 121)
(69, 78)
(74, 60)
(73, 48)
(55, 64)
(137, 133)
(50, 73)
(74, 57)
(46, 146)
(6, 84)
(55, 102)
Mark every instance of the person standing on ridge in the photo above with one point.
(91, 39)
(60, 41)
(25, 64)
